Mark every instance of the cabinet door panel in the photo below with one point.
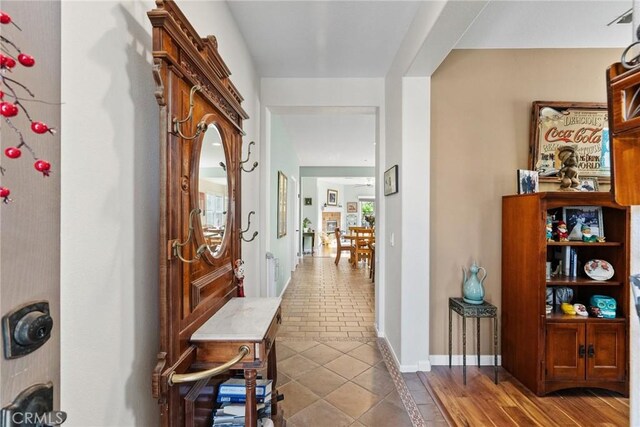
(607, 359)
(564, 359)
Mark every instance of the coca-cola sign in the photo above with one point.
(583, 126)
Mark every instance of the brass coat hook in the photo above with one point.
(177, 246)
(201, 127)
(255, 164)
(255, 233)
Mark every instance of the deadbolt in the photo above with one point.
(26, 329)
(33, 407)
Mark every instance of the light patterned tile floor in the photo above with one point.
(330, 367)
(325, 300)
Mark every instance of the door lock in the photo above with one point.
(32, 407)
(26, 329)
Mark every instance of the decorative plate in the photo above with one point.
(598, 269)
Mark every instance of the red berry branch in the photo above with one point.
(10, 88)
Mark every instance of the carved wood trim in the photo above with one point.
(206, 280)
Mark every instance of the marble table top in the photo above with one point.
(240, 319)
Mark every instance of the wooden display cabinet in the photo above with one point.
(557, 351)
(623, 90)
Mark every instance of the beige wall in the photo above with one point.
(481, 102)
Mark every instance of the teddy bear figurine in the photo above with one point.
(239, 273)
(569, 171)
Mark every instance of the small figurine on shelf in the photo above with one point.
(549, 230)
(569, 171)
(586, 234)
(581, 310)
(239, 273)
(568, 309)
(563, 234)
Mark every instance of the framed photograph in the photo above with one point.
(577, 216)
(308, 201)
(527, 181)
(282, 205)
(391, 180)
(352, 220)
(332, 197)
(588, 184)
(582, 125)
(352, 207)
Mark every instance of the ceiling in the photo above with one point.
(360, 39)
(325, 138)
(323, 38)
(360, 181)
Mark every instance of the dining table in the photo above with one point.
(369, 239)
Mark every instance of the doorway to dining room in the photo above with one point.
(353, 205)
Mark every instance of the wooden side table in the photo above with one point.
(311, 234)
(476, 311)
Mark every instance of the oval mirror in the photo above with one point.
(213, 190)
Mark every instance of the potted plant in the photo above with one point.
(305, 224)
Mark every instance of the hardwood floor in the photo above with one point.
(482, 403)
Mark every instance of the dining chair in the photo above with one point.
(342, 247)
(362, 251)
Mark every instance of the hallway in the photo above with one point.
(332, 369)
(325, 300)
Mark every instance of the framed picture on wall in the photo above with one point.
(391, 180)
(352, 207)
(282, 205)
(308, 201)
(582, 125)
(332, 197)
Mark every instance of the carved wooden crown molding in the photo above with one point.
(198, 57)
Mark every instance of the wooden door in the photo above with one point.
(565, 351)
(196, 280)
(606, 344)
(30, 224)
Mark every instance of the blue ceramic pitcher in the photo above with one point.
(472, 287)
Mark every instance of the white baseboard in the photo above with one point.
(456, 360)
(286, 285)
(423, 365)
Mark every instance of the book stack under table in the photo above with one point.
(232, 399)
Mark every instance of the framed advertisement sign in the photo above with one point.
(582, 125)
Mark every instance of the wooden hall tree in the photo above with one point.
(197, 98)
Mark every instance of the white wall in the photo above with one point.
(310, 189)
(635, 321)
(110, 201)
(285, 160)
(434, 31)
(352, 193)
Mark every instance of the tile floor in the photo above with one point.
(325, 300)
(330, 365)
(337, 383)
